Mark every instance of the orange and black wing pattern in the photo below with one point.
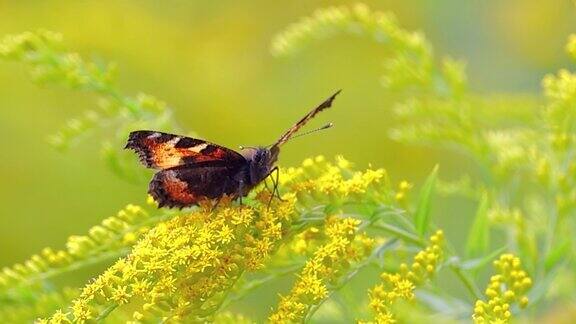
(159, 150)
(183, 186)
(190, 170)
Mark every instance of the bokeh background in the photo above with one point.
(210, 61)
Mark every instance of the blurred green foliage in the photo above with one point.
(211, 62)
(231, 78)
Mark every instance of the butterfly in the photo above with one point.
(191, 170)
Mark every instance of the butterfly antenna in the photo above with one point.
(329, 125)
(296, 127)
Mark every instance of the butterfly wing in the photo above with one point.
(159, 150)
(186, 185)
(292, 130)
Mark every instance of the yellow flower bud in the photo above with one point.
(509, 295)
(308, 163)
(405, 185)
(526, 283)
(524, 302)
(491, 293)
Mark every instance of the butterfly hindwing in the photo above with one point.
(159, 150)
(186, 185)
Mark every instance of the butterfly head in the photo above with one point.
(261, 161)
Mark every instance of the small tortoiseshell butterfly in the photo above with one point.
(192, 169)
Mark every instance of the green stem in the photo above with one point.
(106, 312)
(462, 275)
(77, 265)
(405, 236)
(468, 283)
(256, 283)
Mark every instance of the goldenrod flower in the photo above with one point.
(401, 286)
(320, 180)
(59, 318)
(183, 267)
(325, 266)
(195, 254)
(505, 288)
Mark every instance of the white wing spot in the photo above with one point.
(198, 148)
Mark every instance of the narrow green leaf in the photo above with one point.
(422, 215)
(478, 241)
(556, 255)
(400, 233)
(478, 263)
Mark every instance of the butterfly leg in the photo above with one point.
(266, 185)
(216, 204)
(270, 201)
(276, 183)
(240, 191)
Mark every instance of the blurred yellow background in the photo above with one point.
(211, 62)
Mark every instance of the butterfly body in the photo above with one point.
(190, 170)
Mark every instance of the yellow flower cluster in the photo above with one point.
(508, 286)
(17, 46)
(306, 242)
(524, 233)
(509, 149)
(561, 88)
(322, 180)
(357, 18)
(327, 264)
(499, 214)
(36, 49)
(411, 63)
(185, 265)
(182, 267)
(401, 286)
(114, 234)
(51, 63)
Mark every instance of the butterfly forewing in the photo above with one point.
(159, 150)
(292, 130)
